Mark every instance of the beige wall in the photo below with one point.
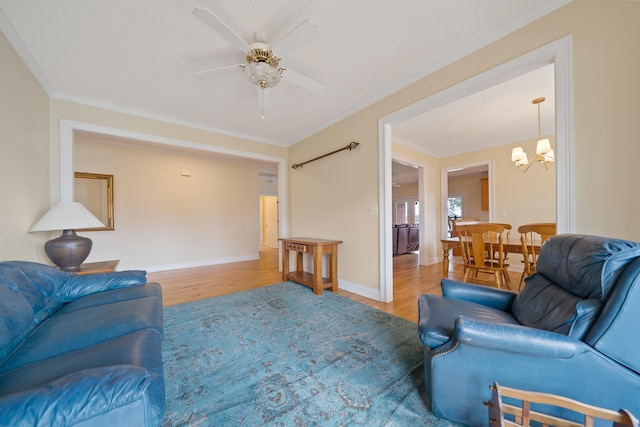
(606, 88)
(337, 197)
(405, 191)
(165, 220)
(24, 158)
(605, 107)
(517, 198)
(64, 110)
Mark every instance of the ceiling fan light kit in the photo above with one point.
(544, 152)
(263, 67)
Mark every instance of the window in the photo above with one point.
(401, 213)
(406, 212)
(454, 206)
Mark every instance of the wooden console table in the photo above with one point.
(317, 248)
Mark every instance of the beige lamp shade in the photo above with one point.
(543, 146)
(516, 154)
(67, 216)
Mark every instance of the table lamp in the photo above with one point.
(69, 250)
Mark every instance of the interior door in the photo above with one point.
(270, 221)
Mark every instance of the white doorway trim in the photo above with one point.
(68, 127)
(559, 53)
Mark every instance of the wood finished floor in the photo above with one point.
(410, 281)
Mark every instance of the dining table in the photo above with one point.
(510, 245)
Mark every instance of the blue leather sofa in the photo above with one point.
(79, 350)
(572, 331)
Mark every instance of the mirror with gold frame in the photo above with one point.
(95, 192)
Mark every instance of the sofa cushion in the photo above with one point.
(77, 397)
(16, 320)
(544, 305)
(59, 381)
(27, 297)
(70, 331)
(585, 266)
(437, 317)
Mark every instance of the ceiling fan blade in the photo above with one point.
(200, 75)
(303, 81)
(296, 38)
(223, 29)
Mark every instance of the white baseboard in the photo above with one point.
(202, 263)
(364, 291)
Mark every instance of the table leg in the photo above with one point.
(317, 272)
(445, 260)
(333, 268)
(285, 264)
(299, 261)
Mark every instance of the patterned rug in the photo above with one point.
(282, 356)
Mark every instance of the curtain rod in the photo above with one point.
(349, 147)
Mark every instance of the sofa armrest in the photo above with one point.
(77, 286)
(82, 396)
(490, 297)
(516, 339)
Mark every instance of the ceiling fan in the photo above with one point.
(262, 67)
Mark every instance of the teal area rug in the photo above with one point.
(282, 356)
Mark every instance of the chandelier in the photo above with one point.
(544, 152)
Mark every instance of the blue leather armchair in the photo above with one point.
(572, 331)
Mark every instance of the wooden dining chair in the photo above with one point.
(507, 236)
(483, 252)
(530, 235)
(518, 412)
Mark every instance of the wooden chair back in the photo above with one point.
(482, 247)
(457, 222)
(509, 415)
(529, 234)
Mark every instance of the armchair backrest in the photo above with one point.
(585, 266)
(577, 275)
(614, 333)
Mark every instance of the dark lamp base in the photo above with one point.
(69, 250)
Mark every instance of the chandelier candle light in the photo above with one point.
(544, 152)
(69, 250)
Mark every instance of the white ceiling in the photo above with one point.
(139, 56)
(500, 115)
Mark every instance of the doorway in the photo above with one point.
(269, 222)
(557, 53)
(406, 221)
(464, 183)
